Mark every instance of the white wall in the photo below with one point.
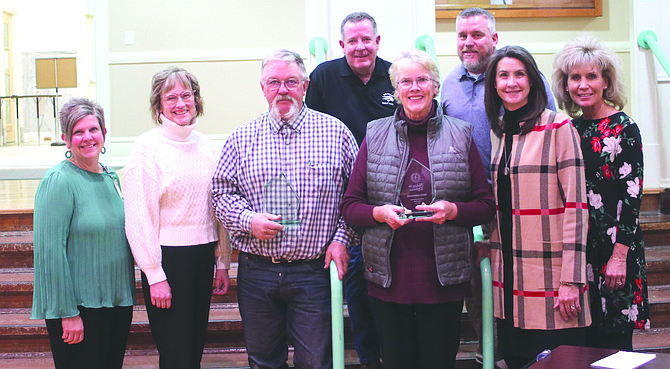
(223, 43)
(48, 29)
(399, 22)
(651, 91)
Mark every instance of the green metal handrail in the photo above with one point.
(487, 305)
(647, 40)
(318, 47)
(337, 316)
(426, 43)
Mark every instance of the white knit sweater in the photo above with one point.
(168, 184)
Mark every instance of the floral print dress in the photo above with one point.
(612, 150)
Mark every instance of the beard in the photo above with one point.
(476, 65)
(289, 116)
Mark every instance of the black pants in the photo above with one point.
(419, 335)
(596, 337)
(105, 337)
(520, 347)
(179, 332)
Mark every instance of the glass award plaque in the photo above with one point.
(417, 189)
(279, 198)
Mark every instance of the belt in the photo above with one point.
(273, 260)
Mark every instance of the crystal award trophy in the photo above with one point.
(279, 198)
(417, 189)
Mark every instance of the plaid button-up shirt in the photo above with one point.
(316, 154)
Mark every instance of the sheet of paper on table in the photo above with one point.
(623, 360)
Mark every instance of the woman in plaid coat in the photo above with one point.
(538, 247)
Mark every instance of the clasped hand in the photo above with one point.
(264, 226)
(442, 210)
(389, 214)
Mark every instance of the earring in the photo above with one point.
(104, 150)
(68, 154)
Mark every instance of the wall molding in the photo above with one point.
(195, 56)
(537, 48)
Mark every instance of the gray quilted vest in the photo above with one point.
(388, 155)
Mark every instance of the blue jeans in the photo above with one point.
(361, 313)
(280, 302)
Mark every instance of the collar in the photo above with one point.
(174, 131)
(432, 125)
(294, 126)
(379, 71)
(466, 75)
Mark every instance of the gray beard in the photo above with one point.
(290, 116)
(475, 66)
(479, 65)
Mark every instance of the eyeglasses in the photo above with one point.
(274, 84)
(422, 82)
(173, 98)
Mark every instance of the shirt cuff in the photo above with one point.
(155, 274)
(245, 220)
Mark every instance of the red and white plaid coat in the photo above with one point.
(549, 225)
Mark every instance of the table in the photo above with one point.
(575, 357)
(37, 101)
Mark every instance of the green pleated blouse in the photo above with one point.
(82, 256)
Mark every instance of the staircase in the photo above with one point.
(24, 342)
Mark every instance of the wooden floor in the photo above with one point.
(18, 194)
(30, 161)
(24, 161)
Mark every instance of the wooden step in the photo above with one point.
(655, 229)
(659, 306)
(652, 340)
(19, 333)
(212, 359)
(16, 220)
(23, 340)
(658, 265)
(16, 288)
(16, 249)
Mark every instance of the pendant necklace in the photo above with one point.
(507, 160)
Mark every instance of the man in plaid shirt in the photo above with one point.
(283, 281)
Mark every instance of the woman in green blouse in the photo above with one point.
(84, 274)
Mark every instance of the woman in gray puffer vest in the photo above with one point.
(417, 189)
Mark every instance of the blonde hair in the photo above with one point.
(585, 50)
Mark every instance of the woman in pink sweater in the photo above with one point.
(170, 224)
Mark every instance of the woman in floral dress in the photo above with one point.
(587, 81)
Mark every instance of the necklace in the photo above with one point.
(507, 160)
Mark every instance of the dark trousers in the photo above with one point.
(420, 335)
(520, 347)
(179, 332)
(596, 337)
(361, 313)
(285, 302)
(105, 337)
